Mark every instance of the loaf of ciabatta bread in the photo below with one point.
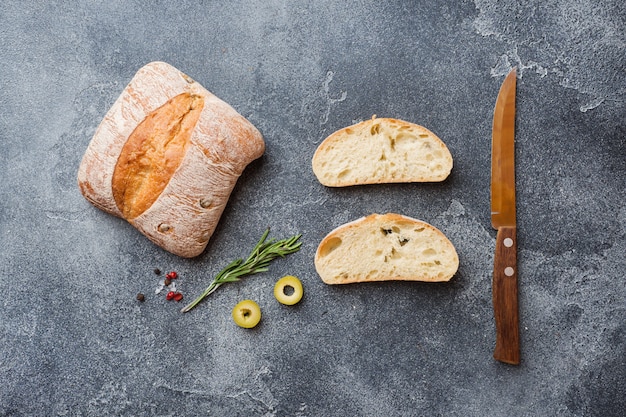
(166, 158)
(380, 151)
(383, 248)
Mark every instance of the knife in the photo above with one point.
(503, 219)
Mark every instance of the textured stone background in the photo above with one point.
(73, 339)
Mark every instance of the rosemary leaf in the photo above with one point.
(258, 261)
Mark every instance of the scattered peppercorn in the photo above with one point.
(141, 297)
(173, 294)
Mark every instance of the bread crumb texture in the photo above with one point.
(383, 248)
(381, 151)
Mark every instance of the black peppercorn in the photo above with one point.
(140, 297)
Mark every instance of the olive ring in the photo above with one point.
(288, 290)
(247, 314)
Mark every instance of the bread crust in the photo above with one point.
(221, 144)
(381, 150)
(385, 247)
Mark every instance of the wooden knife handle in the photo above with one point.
(505, 297)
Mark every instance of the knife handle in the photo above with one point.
(505, 297)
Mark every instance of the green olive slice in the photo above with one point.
(288, 290)
(247, 314)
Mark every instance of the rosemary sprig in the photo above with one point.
(258, 261)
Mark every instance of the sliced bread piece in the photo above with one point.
(383, 248)
(380, 151)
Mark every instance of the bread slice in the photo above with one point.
(166, 158)
(383, 248)
(380, 151)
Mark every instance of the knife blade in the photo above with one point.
(503, 219)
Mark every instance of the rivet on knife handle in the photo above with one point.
(505, 297)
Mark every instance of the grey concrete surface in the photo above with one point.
(75, 342)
